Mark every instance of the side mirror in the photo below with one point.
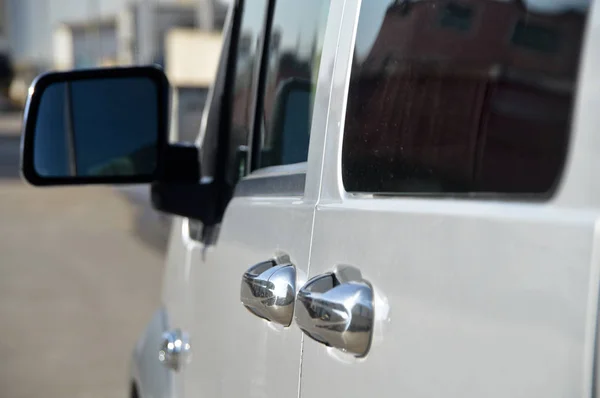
(110, 126)
(99, 126)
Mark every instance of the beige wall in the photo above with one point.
(63, 48)
(192, 57)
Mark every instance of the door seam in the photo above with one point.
(320, 181)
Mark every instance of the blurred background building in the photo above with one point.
(73, 303)
(179, 35)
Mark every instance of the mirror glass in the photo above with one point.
(97, 127)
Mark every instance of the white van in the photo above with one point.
(390, 198)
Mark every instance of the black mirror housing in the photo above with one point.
(96, 126)
(110, 126)
(178, 189)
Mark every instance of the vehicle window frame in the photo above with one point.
(258, 122)
(227, 117)
(279, 180)
(223, 94)
(261, 122)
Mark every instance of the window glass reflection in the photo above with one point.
(132, 106)
(462, 96)
(295, 48)
(52, 155)
(252, 23)
(97, 127)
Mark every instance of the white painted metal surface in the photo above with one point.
(196, 68)
(474, 298)
(234, 352)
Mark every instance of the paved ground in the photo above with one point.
(77, 285)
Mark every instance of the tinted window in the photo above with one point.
(432, 109)
(536, 37)
(190, 104)
(248, 59)
(295, 46)
(456, 16)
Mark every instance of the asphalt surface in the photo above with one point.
(77, 284)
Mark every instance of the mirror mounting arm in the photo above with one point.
(179, 163)
(195, 201)
(178, 189)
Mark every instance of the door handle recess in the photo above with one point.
(336, 312)
(268, 291)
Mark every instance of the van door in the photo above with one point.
(453, 247)
(244, 278)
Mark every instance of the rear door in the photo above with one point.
(243, 277)
(453, 250)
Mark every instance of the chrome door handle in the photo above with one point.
(175, 349)
(268, 290)
(337, 312)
